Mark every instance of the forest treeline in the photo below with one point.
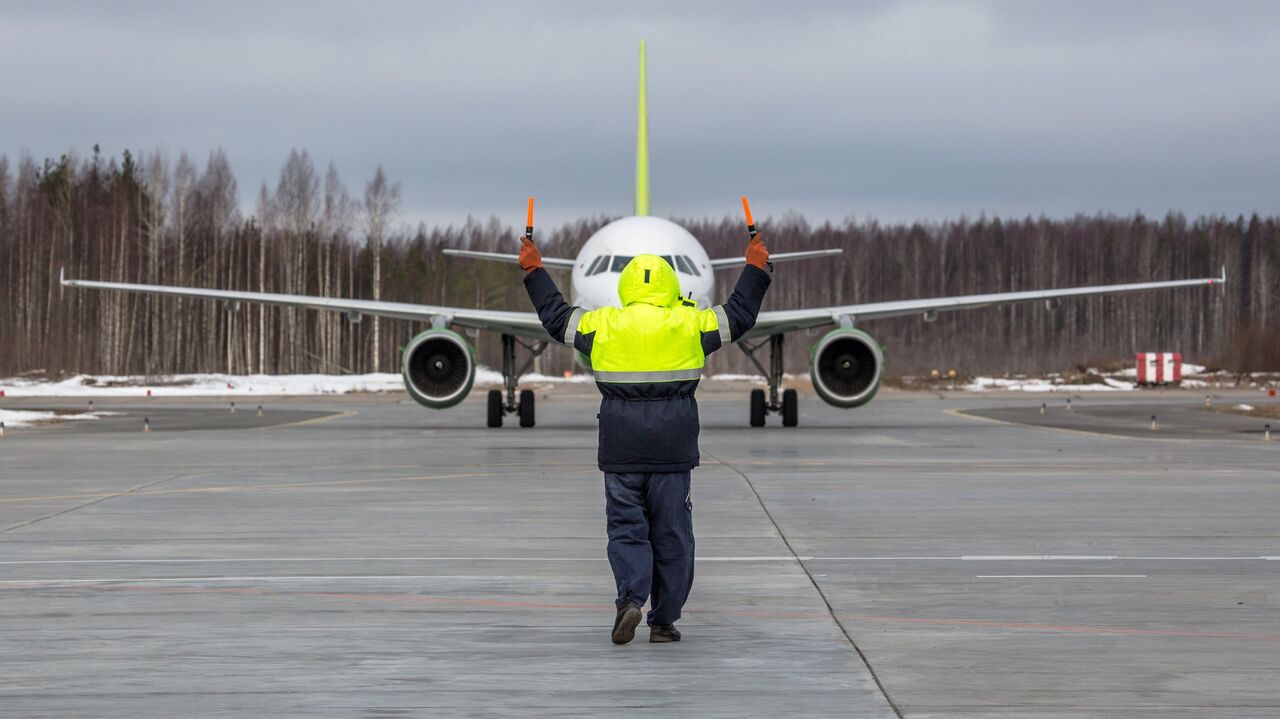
(161, 220)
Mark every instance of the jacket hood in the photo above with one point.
(648, 280)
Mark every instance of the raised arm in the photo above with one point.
(557, 316)
(728, 322)
(554, 313)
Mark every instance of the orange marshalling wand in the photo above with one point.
(528, 222)
(751, 224)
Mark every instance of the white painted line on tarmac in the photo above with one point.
(1043, 558)
(276, 578)
(759, 558)
(395, 577)
(785, 558)
(1034, 557)
(1062, 576)
(1195, 559)
(251, 560)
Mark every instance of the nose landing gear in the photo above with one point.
(500, 405)
(789, 406)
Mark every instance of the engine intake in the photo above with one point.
(439, 368)
(846, 366)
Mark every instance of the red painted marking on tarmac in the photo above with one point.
(747, 613)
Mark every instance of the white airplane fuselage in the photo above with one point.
(599, 263)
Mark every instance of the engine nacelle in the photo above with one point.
(846, 366)
(439, 367)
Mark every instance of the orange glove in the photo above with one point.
(530, 259)
(757, 253)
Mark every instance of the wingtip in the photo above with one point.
(62, 276)
(1223, 278)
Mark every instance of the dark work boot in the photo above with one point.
(663, 633)
(624, 625)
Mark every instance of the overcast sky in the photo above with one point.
(898, 111)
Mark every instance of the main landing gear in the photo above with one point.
(500, 405)
(789, 407)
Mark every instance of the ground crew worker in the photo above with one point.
(647, 357)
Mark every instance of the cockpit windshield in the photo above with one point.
(600, 264)
(685, 265)
(615, 264)
(605, 263)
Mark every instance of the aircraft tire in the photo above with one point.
(495, 408)
(757, 408)
(526, 408)
(790, 408)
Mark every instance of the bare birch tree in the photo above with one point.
(295, 199)
(266, 223)
(381, 200)
(335, 220)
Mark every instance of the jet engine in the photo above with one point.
(439, 368)
(845, 366)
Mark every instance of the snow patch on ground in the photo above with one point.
(24, 418)
(1194, 376)
(189, 385)
(731, 377)
(1032, 384)
(220, 385)
(206, 385)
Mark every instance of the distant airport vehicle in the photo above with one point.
(439, 364)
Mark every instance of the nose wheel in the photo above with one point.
(504, 401)
(761, 405)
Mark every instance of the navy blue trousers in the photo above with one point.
(651, 540)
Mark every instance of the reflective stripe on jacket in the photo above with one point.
(647, 357)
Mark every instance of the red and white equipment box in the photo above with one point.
(1159, 367)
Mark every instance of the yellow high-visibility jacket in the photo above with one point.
(647, 357)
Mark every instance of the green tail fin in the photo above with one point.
(642, 144)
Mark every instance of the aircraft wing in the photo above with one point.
(525, 324)
(774, 322)
(727, 262)
(558, 263)
(567, 264)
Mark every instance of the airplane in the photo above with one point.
(438, 365)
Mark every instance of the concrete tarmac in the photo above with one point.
(361, 556)
(1137, 419)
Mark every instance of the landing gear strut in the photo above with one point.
(500, 405)
(789, 407)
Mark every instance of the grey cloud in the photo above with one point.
(902, 111)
